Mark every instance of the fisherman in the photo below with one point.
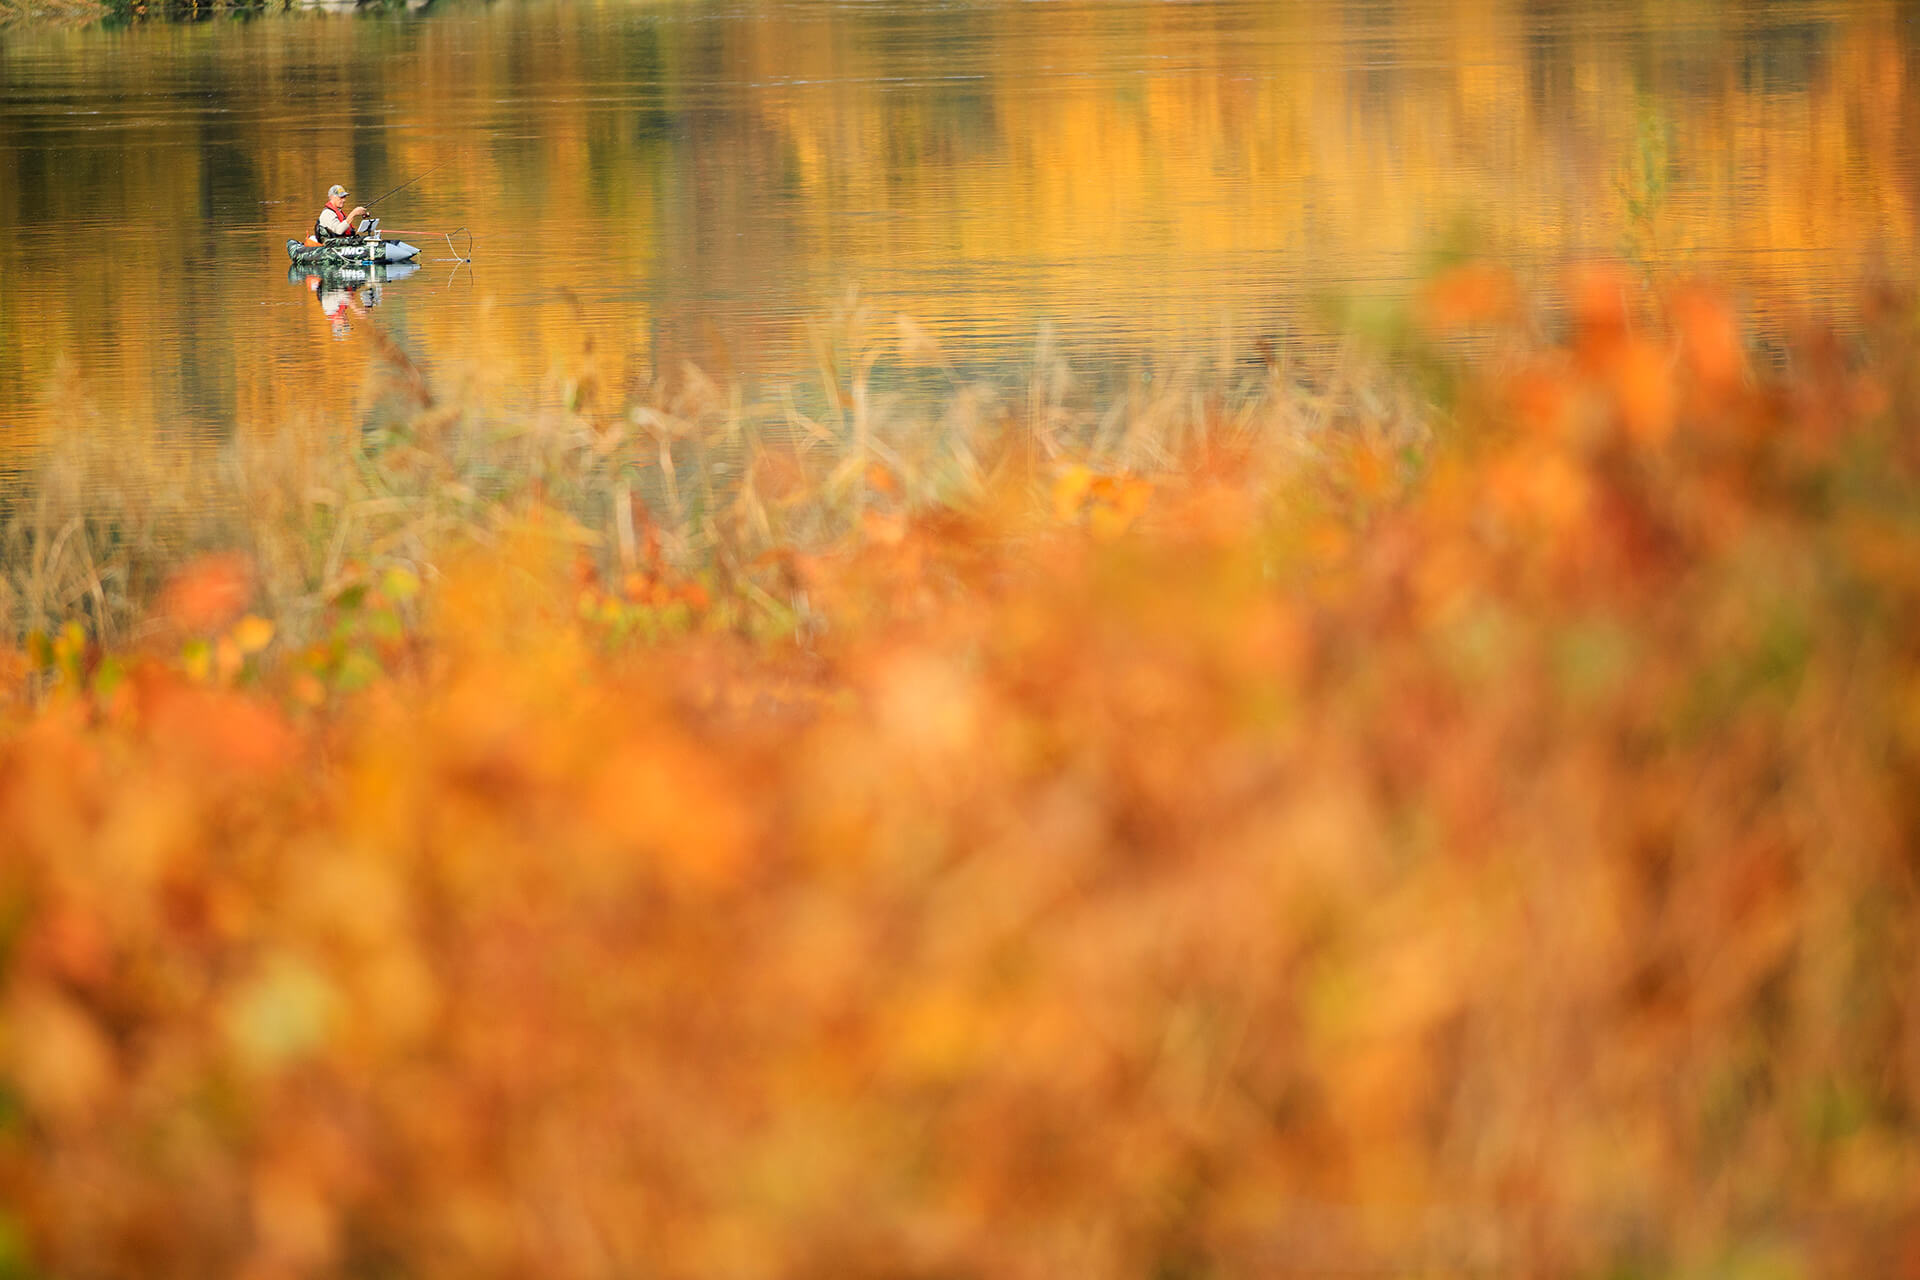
(333, 224)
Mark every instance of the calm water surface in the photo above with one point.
(693, 179)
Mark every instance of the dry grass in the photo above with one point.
(1313, 859)
(673, 468)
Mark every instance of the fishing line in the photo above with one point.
(458, 261)
(468, 259)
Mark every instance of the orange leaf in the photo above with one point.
(209, 593)
(1643, 383)
(1709, 338)
(881, 480)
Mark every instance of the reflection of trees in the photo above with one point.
(1019, 158)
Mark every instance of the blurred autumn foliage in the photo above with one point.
(1343, 851)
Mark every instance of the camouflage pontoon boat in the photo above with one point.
(365, 249)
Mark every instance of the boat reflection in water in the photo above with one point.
(347, 292)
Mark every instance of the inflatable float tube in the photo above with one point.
(359, 251)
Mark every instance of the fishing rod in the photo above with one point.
(403, 186)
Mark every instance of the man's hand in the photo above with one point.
(359, 212)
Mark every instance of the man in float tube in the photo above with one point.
(333, 224)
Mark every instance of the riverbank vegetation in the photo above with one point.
(65, 13)
(49, 12)
(1284, 823)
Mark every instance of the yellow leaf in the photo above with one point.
(1070, 490)
(399, 584)
(284, 1013)
(252, 634)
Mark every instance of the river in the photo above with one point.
(1132, 184)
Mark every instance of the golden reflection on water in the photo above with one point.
(698, 179)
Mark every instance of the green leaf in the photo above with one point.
(358, 669)
(197, 655)
(109, 677)
(385, 624)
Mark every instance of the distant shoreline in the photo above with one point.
(50, 13)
